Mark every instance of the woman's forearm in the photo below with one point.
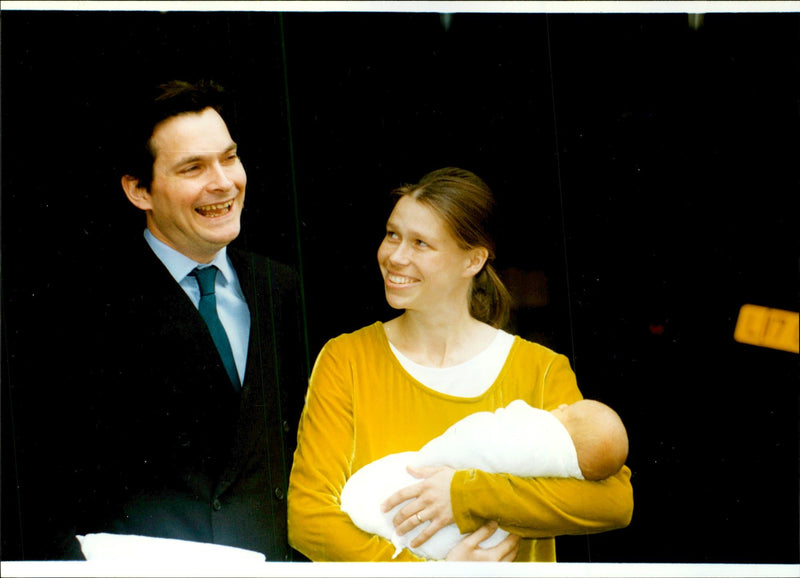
(542, 507)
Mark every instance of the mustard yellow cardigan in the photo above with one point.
(362, 405)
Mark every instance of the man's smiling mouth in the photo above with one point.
(216, 210)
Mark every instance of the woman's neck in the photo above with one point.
(442, 341)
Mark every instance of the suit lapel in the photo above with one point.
(257, 412)
(174, 312)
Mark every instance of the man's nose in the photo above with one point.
(219, 178)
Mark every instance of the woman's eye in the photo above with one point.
(421, 243)
(391, 235)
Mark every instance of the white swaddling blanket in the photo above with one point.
(161, 551)
(519, 440)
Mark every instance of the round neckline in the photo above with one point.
(500, 376)
(456, 367)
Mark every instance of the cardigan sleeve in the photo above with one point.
(544, 507)
(322, 464)
(541, 507)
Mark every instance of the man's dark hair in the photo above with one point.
(167, 100)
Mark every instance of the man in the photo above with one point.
(188, 422)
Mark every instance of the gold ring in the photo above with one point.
(419, 518)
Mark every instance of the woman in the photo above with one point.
(391, 387)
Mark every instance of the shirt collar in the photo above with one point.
(179, 265)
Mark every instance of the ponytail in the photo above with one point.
(490, 301)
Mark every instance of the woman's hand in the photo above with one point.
(469, 548)
(430, 502)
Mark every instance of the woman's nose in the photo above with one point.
(399, 254)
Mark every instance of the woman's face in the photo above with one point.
(422, 265)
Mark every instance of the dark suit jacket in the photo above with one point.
(167, 447)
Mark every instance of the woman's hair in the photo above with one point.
(465, 203)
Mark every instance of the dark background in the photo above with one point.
(646, 174)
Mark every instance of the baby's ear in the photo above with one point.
(138, 196)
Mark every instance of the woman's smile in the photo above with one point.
(395, 279)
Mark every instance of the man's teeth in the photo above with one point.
(400, 280)
(215, 210)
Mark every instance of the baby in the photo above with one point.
(584, 440)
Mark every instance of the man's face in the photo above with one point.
(197, 194)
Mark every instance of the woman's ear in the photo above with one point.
(138, 196)
(476, 259)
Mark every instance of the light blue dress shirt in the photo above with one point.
(234, 314)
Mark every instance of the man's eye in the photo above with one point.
(421, 243)
(191, 168)
(391, 235)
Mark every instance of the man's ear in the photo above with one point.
(476, 260)
(139, 196)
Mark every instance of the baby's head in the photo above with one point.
(599, 437)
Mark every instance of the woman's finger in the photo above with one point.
(423, 472)
(413, 490)
(410, 517)
(401, 496)
(481, 534)
(469, 547)
(406, 517)
(427, 533)
(508, 548)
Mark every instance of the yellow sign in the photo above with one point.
(766, 327)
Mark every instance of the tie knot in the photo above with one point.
(205, 279)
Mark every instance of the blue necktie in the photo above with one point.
(208, 309)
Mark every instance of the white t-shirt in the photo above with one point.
(468, 379)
